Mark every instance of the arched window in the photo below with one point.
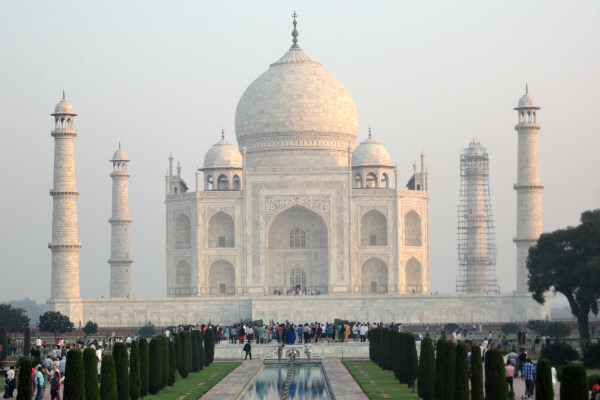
(210, 182)
(371, 181)
(414, 277)
(358, 181)
(297, 280)
(182, 232)
(385, 182)
(412, 229)
(374, 276)
(236, 183)
(221, 231)
(222, 183)
(183, 274)
(297, 239)
(221, 278)
(373, 229)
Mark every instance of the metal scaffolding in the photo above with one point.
(476, 240)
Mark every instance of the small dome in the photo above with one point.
(527, 101)
(475, 149)
(64, 107)
(119, 155)
(223, 154)
(370, 153)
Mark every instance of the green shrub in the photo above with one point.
(412, 361)
(450, 327)
(574, 383)
(108, 381)
(172, 367)
(510, 327)
(164, 348)
(591, 356)
(73, 384)
(144, 367)
(25, 385)
(426, 374)
(90, 374)
(559, 354)
(186, 350)
(209, 346)
(461, 373)
(561, 330)
(195, 352)
(155, 381)
(396, 354)
(476, 374)
(440, 372)
(121, 368)
(495, 378)
(541, 326)
(450, 364)
(177, 344)
(134, 371)
(543, 381)
(147, 331)
(201, 349)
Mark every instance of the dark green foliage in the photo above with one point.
(395, 352)
(451, 327)
(209, 346)
(495, 378)
(372, 345)
(561, 330)
(591, 356)
(108, 383)
(592, 380)
(24, 388)
(27, 341)
(13, 319)
(134, 371)
(90, 328)
(461, 373)
(426, 375)
(144, 367)
(90, 374)
(4, 343)
(177, 344)
(510, 327)
(573, 385)
(155, 381)
(172, 366)
(185, 344)
(541, 327)
(195, 351)
(54, 321)
(411, 360)
(164, 348)
(543, 381)
(440, 372)
(476, 374)
(121, 368)
(201, 349)
(449, 365)
(73, 385)
(559, 354)
(147, 331)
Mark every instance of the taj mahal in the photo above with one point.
(304, 220)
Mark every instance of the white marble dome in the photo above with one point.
(527, 101)
(370, 153)
(296, 95)
(119, 155)
(64, 107)
(223, 154)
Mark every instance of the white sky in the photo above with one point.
(164, 76)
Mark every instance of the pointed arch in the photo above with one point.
(414, 276)
(221, 230)
(373, 229)
(183, 235)
(222, 182)
(412, 229)
(221, 278)
(374, 276)
(371, 181)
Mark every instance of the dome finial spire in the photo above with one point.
(64, 97)
(369, 131)
(119, 145)
(295, 32)
(222, 133)
(526, 88)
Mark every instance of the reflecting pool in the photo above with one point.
(307, 383)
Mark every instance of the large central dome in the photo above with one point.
(296, 105)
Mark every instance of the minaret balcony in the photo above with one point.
(64, 132)
(120, 220)
(527, 126)
(537, 186)
(120, 261)
(64, 193)
(64, 245)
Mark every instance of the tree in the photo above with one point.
(461, 373)
(476, 374)
(147, 331)
(13, 319)
(568, 261)
(412, 362)
(121, 368)
(426, 374)
(4, 343)
(90, 328)
(209, 346)
(164, 348)
(543, 381)
(172, 362)
(134, 371)
(25, 385)
(574, 385)
(108, 383)
(177, 344)
(201, 349)
(73, 386)
(155, 381)
(144, 367)
(541, 326)
(561, 330)
(186, 349)
(195, 351)
(54, 321)
(495, 377)
(90, 374)
(440, 365)
(27, 341)
(449, 365)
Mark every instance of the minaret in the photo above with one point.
(65, 244)
(120, 261)
(528, 186)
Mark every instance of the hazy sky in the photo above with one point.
(163, 76)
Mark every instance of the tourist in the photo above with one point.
(521, 361)
(233, 335)
(509, 371)
(362, 331)
(38, 381)
(308, 349)
(6, 385)
(280, 351)
(55, 385)
(596, 390)
(248, 350)
(528, 373)
(512, 358)
(62, 365)
(46, 375)
(12, 382)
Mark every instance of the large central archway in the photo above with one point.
(297, 254)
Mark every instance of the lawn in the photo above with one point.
(197, 383)
(377, 383)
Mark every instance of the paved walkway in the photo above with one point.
(342, 383)
(230, 386)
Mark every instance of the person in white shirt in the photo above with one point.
(99, 353)
(38, 342)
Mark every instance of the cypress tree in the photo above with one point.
(25, 385)
(461, 373)
(195, 351)
(27, 342)
(144, 367)
(121, 368)
(543, 381)
(396, 354)
(495, 377)
(108, 381)
(387, 356)
(134, 371)
(440, 372)
(172, 361)
(426, 375)
(4, 343)
(372, 345)
(73, 384)
(476, 374)
(90, 374)
(574, 385)
(185, 345)
(201, 349)
(177, 344)
(450, 364)
(164, 349)
(412, 362)
(155, 380)
(209, 346)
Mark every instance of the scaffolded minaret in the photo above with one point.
(120, 261)
(476, 246)
(528, 186)
(65, 244)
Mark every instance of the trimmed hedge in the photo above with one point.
(461, 373)
(177, 345)
(25, 385)
(450, 364)
(90, 374)
(476, 374)
(185, 342)
(559, 354)
(411, 360)
(172, 367)
(164, 368)
(440, 372)
(121, 368)
(155, 381)
(27, 342)
(209, 346)
(495, 377)
(108, 383)
(4, 343)
(134, 371)
(195, 352)
(591, 356)
(426, 375)
(201, 349)
(73, 384)
(543, 381)
(144, 367)
(573, 385)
